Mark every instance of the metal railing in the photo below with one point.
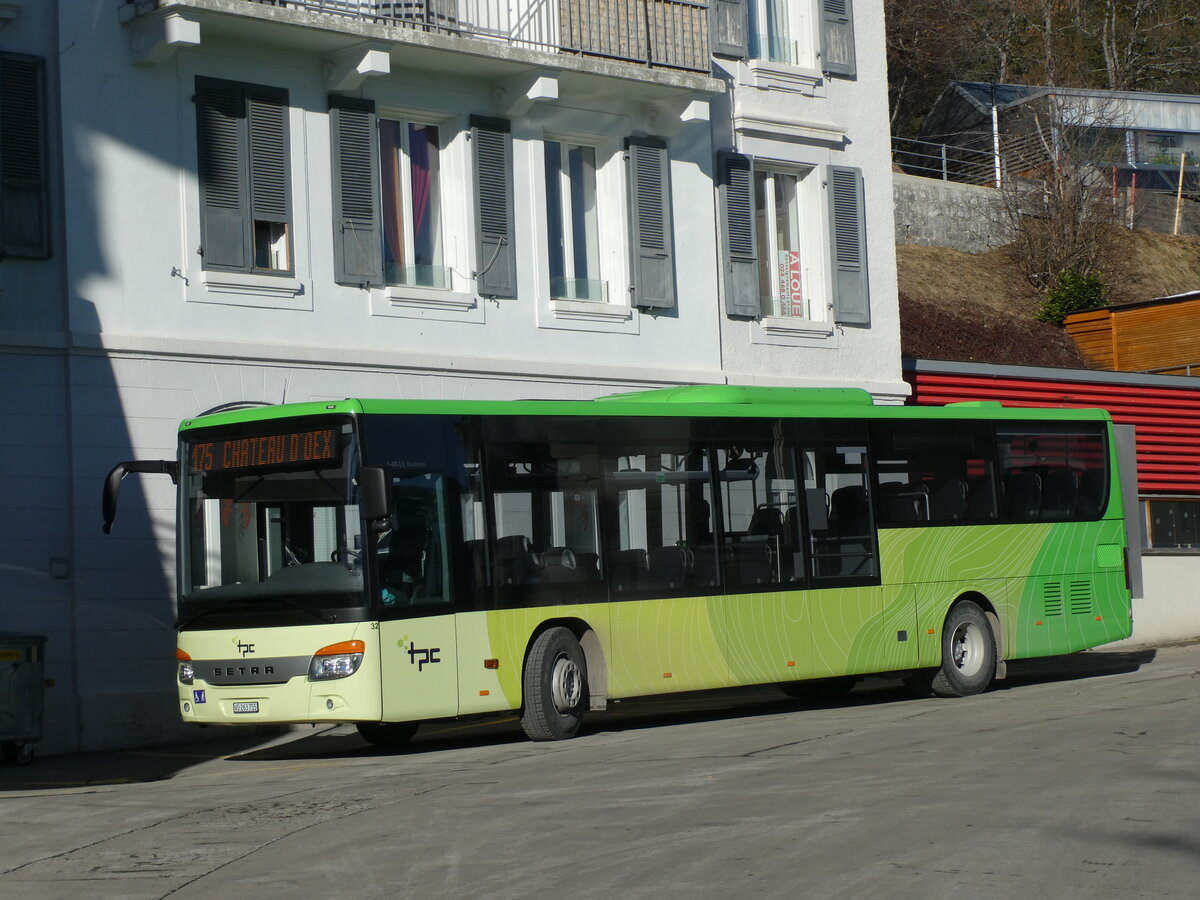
(661, 33)
(944, 161)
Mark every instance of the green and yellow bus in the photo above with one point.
(391, 562)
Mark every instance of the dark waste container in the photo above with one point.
(22, 680)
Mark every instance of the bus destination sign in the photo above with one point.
(262, 451)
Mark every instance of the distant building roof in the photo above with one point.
(1143, 110)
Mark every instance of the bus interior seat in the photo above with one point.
(1059, 494)
(816, 505)
(848, 513)
(949, 501)
(905, 502)
(981, 500)
(850, 525)
(1091, 493)
(558, 564)
(702, 566)
(588, 565)
(1023, 495)
(791, 524)
(476, 551)
(767, 520)
(750, 562)
(515, 562)
(669, 567)
(628, 569)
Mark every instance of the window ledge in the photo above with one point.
(253, 289)
(590, 311)
(776, 76)
(794, 332)
(795, 327)
(428, 298)
(780, 128)
(410, 302)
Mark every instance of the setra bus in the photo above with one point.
(391, 562)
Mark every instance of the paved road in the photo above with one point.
(1077, 778)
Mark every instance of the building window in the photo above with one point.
(24, 202)
(1173, 524)
(245, 194)
(785, 286)
(776, 30)
(411, 203)
(572, 223)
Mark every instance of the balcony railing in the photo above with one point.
(670, 34)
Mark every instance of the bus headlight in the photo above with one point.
(336, 661)
(187, 672)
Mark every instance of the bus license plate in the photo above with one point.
(245, 706)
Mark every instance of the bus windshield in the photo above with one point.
(271, 527)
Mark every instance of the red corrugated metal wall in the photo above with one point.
(1167, 419)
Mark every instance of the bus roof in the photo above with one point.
(718, 401)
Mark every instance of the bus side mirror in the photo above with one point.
(374, 498)
(112, 483)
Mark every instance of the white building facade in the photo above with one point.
(244, 201)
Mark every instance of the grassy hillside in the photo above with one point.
(977, 307)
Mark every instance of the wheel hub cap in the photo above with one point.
(967, 649)
(566, 684)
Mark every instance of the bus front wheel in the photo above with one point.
(554, 686)
(968, 653)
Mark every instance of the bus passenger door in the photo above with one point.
(417, 632)
(767, 628)
(845, 603)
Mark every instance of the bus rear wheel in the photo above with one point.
(387, 734)
(554, 687)
(968, 653)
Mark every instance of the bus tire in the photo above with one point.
(968, 653)
(387, 734)
(554, 687)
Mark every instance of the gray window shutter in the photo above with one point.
(837, 37)
(495, 250)
(224, 173)
(729, 27)
(24, 202)
(735, 190)
(847, 218)
(270, 194)
(357, 232)
(650, 223)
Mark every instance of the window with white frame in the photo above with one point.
(785, 280)
(411, 204)
(572, 222)
(778, 31)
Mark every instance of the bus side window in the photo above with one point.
(412, 553)
(1053, 472)
(659, 528)
(845, 548)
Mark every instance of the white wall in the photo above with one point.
(797, 115)
(1170, 608)
(151, 340)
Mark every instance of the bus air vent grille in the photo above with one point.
(1052, 598)
(1079, 598)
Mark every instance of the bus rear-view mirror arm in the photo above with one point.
(112, 484)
